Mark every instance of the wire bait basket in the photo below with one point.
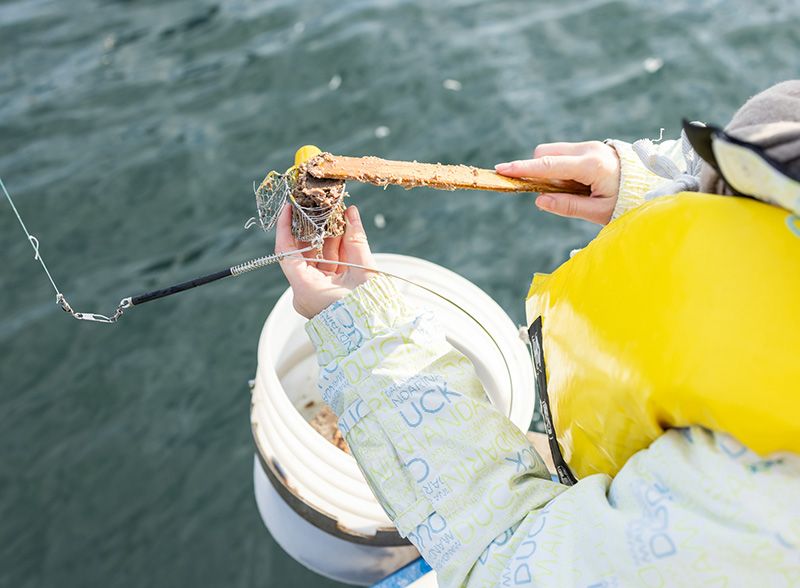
(317, 204)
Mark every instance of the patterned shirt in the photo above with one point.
(465, 486)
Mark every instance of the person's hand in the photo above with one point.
(592, 163)
(317, 285)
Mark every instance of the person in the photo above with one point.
(465, 485)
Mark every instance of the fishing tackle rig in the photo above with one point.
(317, 213)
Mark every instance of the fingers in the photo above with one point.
(330, 250)
(561, 149)
(558, 167)
(596, 210)
(593, 163)
(293, 266)
(311, 255)
(284, 239)
(583, 162)
(354, 247)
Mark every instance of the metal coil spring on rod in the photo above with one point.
(265, 260)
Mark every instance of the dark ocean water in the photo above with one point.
(130, 134)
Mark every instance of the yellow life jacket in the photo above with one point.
(685, 311)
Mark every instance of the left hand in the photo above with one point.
(592, 163)
(317, 285)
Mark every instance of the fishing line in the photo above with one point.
(31, 239)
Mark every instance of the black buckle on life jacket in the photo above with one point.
(565, 475)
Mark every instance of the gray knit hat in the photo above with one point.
(770, 120)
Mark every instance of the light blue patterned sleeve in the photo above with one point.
(451, 471)
(464, 485)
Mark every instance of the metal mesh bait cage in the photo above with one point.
(317, 204)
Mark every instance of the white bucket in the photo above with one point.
(311, 495)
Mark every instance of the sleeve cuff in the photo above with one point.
(373, 308)
(634, 179)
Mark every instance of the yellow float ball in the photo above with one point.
(306, 153)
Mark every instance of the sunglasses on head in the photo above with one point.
(745, 167)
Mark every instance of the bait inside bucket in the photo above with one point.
(311, 494)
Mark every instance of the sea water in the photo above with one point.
(131, 133)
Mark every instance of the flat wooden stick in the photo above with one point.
(411, 174)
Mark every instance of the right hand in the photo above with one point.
(592, 163)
